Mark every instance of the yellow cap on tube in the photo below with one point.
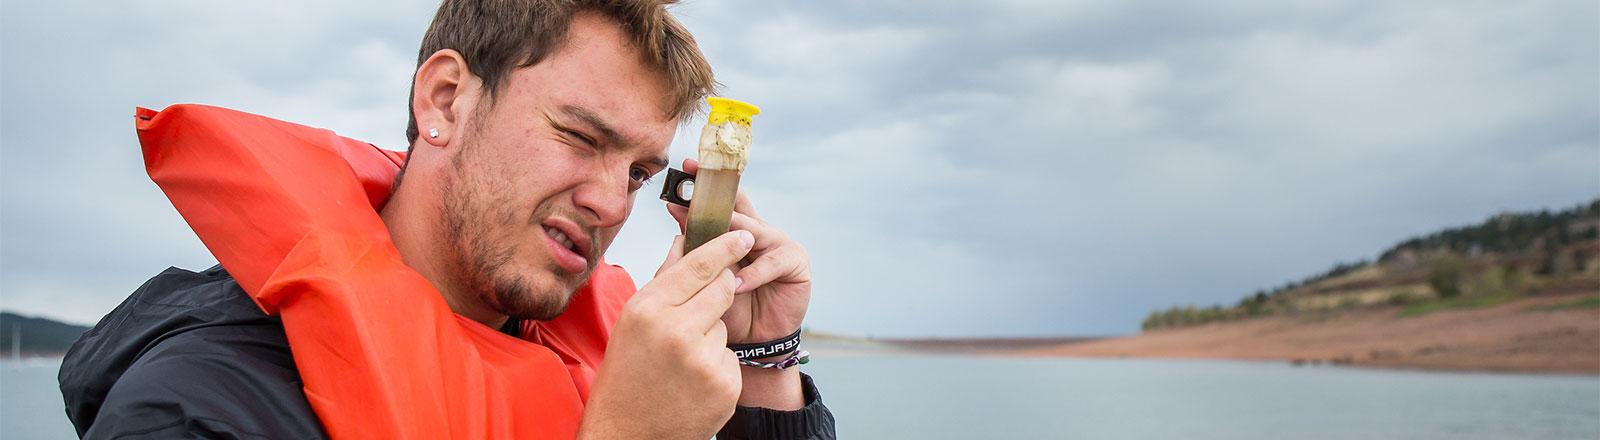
(725, 141)
(726, 110)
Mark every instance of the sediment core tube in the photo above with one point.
(724, 150)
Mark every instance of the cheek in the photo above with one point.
(606, 237)
(495, 198)
(534, 175)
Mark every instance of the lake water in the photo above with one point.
(961, 397)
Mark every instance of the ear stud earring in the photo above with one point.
(433, 132)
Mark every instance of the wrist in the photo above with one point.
(772, 388)
(770, 372)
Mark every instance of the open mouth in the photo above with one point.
(562, 239)
(568, 245)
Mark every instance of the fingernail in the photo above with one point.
(746, 239)
(737, 282)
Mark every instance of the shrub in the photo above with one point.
(1406, 297)
(1349, 302)
(1445, 277)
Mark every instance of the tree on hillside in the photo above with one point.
(1445, 277)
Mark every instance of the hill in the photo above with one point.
(38, 336)
(1508, 256)
(1543, 334)
(1518, 292)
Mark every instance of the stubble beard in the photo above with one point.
(482, 264)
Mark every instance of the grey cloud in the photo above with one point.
(82, 224)
(1009, 167)
(1104, 159)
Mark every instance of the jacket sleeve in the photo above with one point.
(219, 381)
(812, 422)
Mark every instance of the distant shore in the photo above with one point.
(1556, 334)
(834, 345)
(1547, 334)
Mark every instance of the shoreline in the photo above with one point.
(1528, 335)
(1513, 337)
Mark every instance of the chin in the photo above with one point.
(524, 297)
(516, 305)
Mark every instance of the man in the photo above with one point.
(533, 124)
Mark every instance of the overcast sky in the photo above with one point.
(987, 168)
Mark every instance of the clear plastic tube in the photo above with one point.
(724, 151)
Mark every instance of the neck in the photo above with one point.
(415, 226)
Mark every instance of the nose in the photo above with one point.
(605, 196)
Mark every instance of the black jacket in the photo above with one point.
(190, 355)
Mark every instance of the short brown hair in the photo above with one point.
(497, 36)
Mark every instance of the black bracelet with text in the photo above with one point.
(777, 347)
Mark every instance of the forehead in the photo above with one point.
(599, 70)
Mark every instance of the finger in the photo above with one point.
(767, 239)
(774, 257)
(688, 275)
(718, 334)
(681, 214)
(767, 236)
(690, 166)
(784, 266)
(704, 310)
(717, 343)
(673, 254)
(741, 204)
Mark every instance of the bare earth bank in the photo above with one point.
(1509, 337)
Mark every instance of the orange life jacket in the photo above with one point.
(292, 213)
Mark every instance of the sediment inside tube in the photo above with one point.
(711, 210)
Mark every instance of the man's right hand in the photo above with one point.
(667, 371)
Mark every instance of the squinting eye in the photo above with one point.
(579, 136)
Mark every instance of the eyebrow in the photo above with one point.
(606, 131)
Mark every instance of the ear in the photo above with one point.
(443, 95)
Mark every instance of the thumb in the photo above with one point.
(673, 254)
(681, 215)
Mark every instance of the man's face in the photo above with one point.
(545, 175)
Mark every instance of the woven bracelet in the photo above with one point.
(801, 357)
